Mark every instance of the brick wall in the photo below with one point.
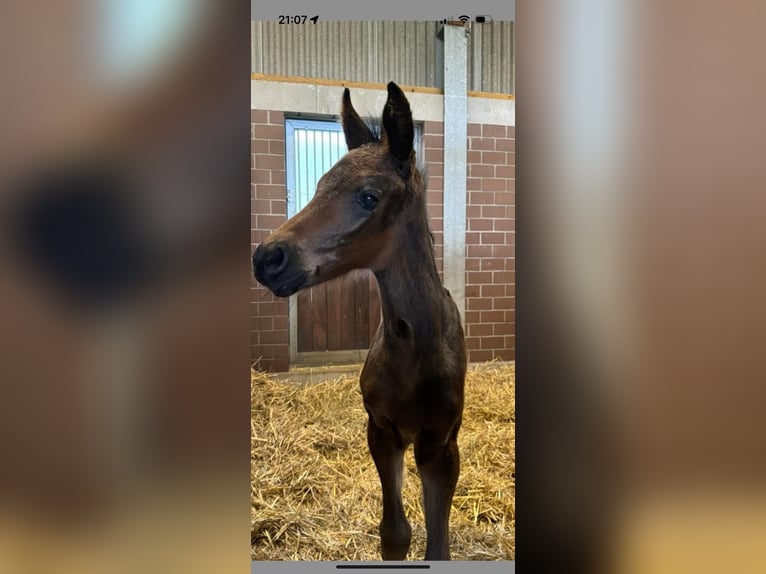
(269, 342)
(433, 151)
(490, 243)
(490, 230)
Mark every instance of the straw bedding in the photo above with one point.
(315, 490)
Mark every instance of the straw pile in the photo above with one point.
(315, 490)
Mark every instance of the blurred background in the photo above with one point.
(124, 362)
(125, 278)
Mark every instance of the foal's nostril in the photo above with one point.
(275, 261)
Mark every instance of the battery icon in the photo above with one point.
(483, 19)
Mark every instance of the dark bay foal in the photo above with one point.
(369, 211)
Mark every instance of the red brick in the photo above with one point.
(434, 156)
(276, 147)
(472, 317)
(259, 116)
(480, 330)
(270, 192)
(510, 341)
(478, 304)
(492, 264)
(272, 308)
(475, 170)
(276, 117)
(430, 127)
(473, 211)
(493, 157)
(479, 277)
(510, 316)
(279, 207)
(478, 250)
(269, 221)
(480, 356)
(510, 132)
(492, 317)
(480, 225)
(503, 277)
(492, 342)
(274, 162)
(487, 144)
(258, 206)
(278, 177)
(259, 146)
(436, 210)
(474, 129)
(473, 291)
(510, 264)
(435, 184)
(271, 337)
(434, 196)
(510, 185)
(507, 171)
(505, 354)
(280, 323)
(493, 131)
(505, 144)
(492, 290)
(504, 303)
(510, 290)
(267, 132)
(504, 198)
(436, 224)
(511, 211)
(492, 184)
(481, 198)
(492, 238)
(503, 250)
(505, 224)
(493, 211)
(474, 157)
(472, 343)
(472, 264)
(503, 329)
(260, 176)
(472, 238)
(436, 169)
(473, 184)
(433, 141)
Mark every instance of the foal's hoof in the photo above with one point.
(395, 541)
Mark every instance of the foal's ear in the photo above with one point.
(397, 124)
(356, 131)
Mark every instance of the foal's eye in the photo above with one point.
(368, 201)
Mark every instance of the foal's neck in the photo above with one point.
(410, 289)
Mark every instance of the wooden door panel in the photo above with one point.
(339, 315)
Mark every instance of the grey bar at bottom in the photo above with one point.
(267, 567)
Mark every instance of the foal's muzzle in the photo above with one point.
(277, 266)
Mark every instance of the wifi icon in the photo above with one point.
(464, 19)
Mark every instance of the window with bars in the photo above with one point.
(312, 147)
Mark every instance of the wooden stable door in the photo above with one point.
(333, 322)
(340, 315)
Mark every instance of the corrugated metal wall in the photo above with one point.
(406, 52)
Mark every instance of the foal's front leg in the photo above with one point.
(388, 454)
(439, 468)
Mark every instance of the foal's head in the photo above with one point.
(356, 208)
